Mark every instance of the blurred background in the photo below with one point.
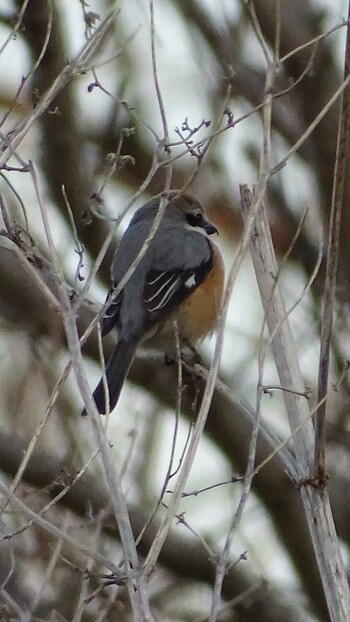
(98, 140)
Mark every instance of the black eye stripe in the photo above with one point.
(195, 220)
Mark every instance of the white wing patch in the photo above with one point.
(191, 282)
(167, 289)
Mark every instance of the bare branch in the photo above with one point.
(331, 270)
(316, 503)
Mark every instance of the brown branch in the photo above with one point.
(319, 473)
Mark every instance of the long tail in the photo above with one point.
(116, 372)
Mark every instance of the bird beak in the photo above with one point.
(210, 229)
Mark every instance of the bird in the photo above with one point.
(179, 277)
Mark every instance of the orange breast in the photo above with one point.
(198, 314)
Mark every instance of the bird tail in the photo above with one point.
(116, 372)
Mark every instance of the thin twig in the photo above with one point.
(331, 270)
(95, 542)
(249, 413)
(169, 472)
(19, 199)
(58, 497)
(50, 528)
(264, 166)
(109, 238)
(71, 70)
(209, 390)
(316, 502)
(156, 80)
(311, 127)
(35, 438)
(138, 596)
(33, 69)
(16, 26)
(79, 248)
(45, 579)
(310, 42)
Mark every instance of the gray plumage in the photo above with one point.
(177, 260)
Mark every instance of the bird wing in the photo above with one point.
(126, 253)
(172, 268)
(178, 266)
(164, 291)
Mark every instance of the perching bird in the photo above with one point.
(180, 277)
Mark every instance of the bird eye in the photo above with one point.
(195, 220)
